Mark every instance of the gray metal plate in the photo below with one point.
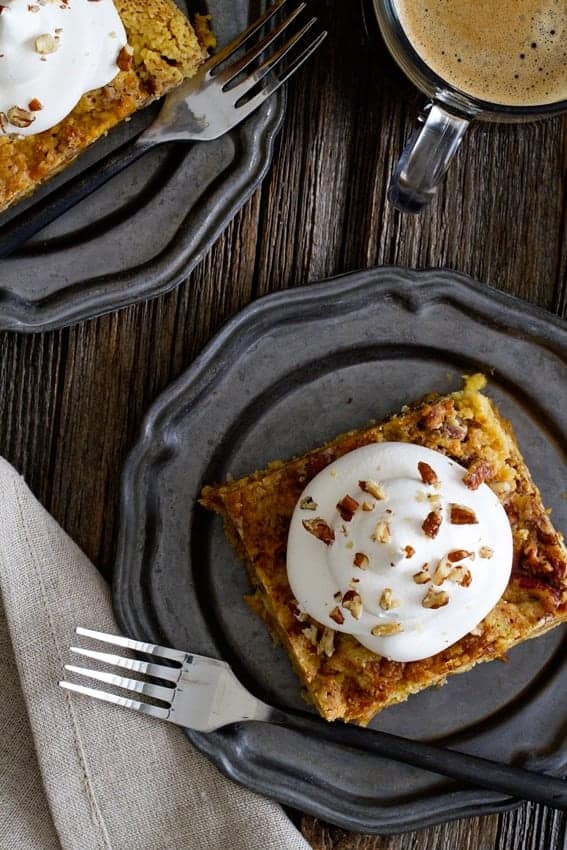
(143, 232)
(289, 372)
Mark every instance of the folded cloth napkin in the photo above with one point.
(78, 773)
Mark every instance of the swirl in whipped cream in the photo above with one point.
(51, 53)
(390, 546)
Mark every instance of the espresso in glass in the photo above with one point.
(507, 52)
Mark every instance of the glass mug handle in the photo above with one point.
(426, 158)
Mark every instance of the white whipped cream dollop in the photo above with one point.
(51, 53)
(389, 545)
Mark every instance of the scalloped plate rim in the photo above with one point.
(417, 288)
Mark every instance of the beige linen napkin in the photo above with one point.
(78, 773)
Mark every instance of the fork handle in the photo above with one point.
(473, 770)
(22, 227)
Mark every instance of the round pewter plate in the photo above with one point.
(142, 233)
(288, 373)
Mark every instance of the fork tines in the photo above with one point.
(159, 671)
(298, 48)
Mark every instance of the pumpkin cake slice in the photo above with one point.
(163, 49)
(341, 677)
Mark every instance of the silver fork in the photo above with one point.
(205, 695)
(201, 109)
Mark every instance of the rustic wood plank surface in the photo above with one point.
(73, 401)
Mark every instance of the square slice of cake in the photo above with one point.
(163, 48)
(343, 678)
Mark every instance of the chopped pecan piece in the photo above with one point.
(386, 629)
(366, 506)
(319, 529)
(307, 504)
(422, 577)
(19, 117)
(409, 551)
(461, 576)
(459, 555)
(461, 515)
(326, 645)
(428, 474)
(434, 414)
(361, 561)
(435, 599)
(381, 533)
(45, 44)
(387, 601)
(352, 601)
(486, 552)
(374, 489)
(432, 523)
(346, 507)
(35, 105)
(479, 472)
(337, 615)
(125, 58)
(454, 428)
(442, 571)
(435, 498)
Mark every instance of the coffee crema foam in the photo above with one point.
(509, 52)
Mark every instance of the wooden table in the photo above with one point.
(73, 401)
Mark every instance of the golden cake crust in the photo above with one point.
(166, 51)
(341, 677)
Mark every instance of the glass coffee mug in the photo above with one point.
(430, 149)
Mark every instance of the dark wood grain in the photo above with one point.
(73, 401)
